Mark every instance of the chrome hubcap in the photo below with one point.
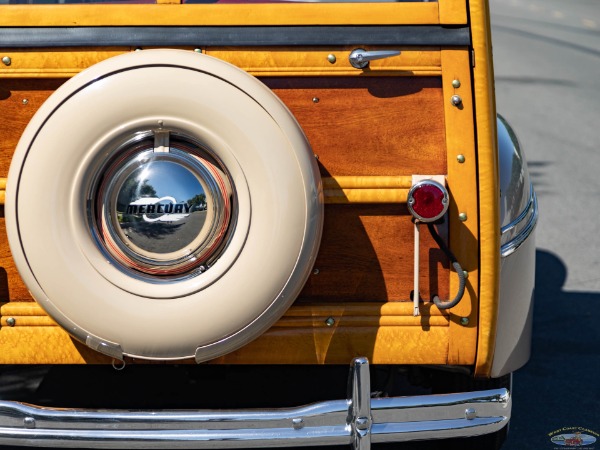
(162, 206)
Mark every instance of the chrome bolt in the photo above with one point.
(315, 99)
(464, 321)
(460, 158)
(470, 413)
(297, 423)
(456, 100)
(138, 49)
(331, 58)
(362, 423)
(462, 217)
(466, 274)
(11, 322)
(25, 101)
(316, 157)
(456, 84)
(330, 321)
(316, 272)
(198, 50)
(29, 422)
(6, 60)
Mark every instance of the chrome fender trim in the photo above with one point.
(521, 228)
(358, 420)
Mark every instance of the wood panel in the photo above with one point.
(367, 254)
(19, 100)
(370, 125)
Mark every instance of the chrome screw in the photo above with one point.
(466, 274)
(464, 321)
(460, 158)
(297, 423)
(25, 101)
(331, 58)
(29, 422)
(362, 423)
(462, 217)
(316, 272)
(315, 99)
(330, 321)
(198, 50)
(470, 413)
(138, 49)
(456, 100)
(6, 60)
(456, 84)
(11, 322)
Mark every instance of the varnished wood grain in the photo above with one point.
(19, 100)
(370, 126)
(366, 254)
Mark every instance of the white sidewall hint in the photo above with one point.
(278, 205)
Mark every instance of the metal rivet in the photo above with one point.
(460, 158)
(456, 100)
(11, 321)
(29, 422)
(330, 321)
(7, 61)
(470, 413)
(315, 99)
(198, 50)
(25, 101)
(297, 423)
(331, 58)
(466, 274)
(138, 49)
(464, 321)
(456, 84)
(316, 271)
(462, 217)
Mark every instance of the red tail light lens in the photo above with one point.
(428, 200)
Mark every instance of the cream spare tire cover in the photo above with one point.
(164, 205)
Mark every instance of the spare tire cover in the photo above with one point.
(164, 204)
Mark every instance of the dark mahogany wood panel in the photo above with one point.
(370, 125)
(357, 126)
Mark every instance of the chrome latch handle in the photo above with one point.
(359, 57)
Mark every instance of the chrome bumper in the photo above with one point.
(358, 420)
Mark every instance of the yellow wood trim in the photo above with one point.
(366, 182)
(417, 13)
(385, 332)
(345, 189)
(462, 184)
(315, 61)
(261, 62)
(483, 84)
(453, 11)
(382, 345)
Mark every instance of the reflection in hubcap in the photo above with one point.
(162, 206)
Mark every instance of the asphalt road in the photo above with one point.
(547, 64)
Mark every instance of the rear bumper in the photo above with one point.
(359, 420)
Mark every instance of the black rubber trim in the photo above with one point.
(420, 35)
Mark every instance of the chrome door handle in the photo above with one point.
(359, 58)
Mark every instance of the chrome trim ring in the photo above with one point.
(521, 228)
